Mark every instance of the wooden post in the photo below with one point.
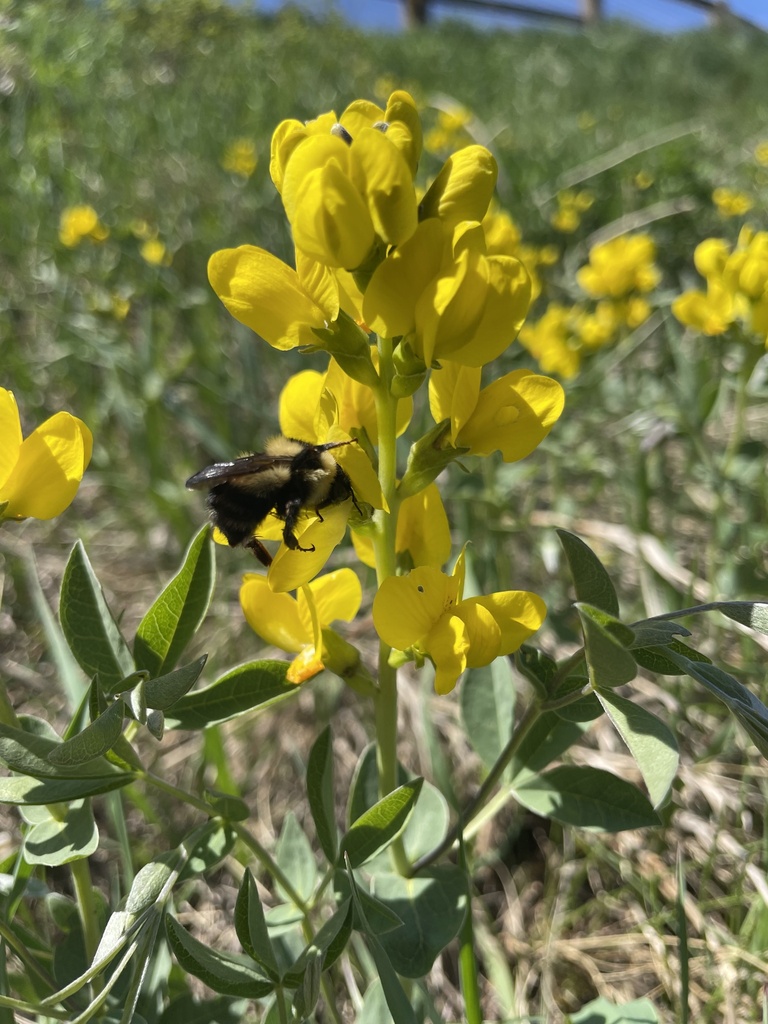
(415, 13)
(591, 10)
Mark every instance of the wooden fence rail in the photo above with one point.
(585, 12)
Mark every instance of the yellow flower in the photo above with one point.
(566, 219)
(79, 222)
(463, 188)
(423, 532)
(512, 415)
(731, 203)
(643, 180)
(240, 158)
(120, 306)
(761, 153)
(619, 267)
(599, 327)
(40, 475)
(424, 612)
(443, 294)
(154, 252)
(296, 625)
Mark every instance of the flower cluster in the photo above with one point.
(570, 208)
(402, 291)
(40, 474)
(737, 286)
(78, 223)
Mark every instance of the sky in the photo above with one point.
(662, 15)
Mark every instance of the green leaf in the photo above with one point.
(149, 882)
(380, 824)
(397, 1001)
(251, 927)
(320, 793)
(591, 581)
(28, 753)
(226, 973)
(656, 634)
(538, 668)
(487, 699)
(741, 702)
(207, 847)
(650, 742)
(364, 791)
(163, 692)
(226, 805)
(256, 684)
(330, 940)
(587, 798)
(609, 663)
(749, 613)
(24, 790)
(428, 824)
(431, 906)
(87, 623)
(295, 856)
(95, 740)
(308, 992)
(53, 841)
(176, 615)
(600, 1011)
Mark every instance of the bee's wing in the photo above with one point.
(249, 465)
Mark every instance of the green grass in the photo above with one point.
(128, 107)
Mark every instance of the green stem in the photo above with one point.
(751, 357)
(86, 905)
(467, 960)
(385, 701)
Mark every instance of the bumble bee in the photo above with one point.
(287, 478)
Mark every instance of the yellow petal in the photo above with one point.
(320, 283)
(453, 394)
(448, 647)
(384, 178)
(482, 631)
(360, 114)
(406, 608)
(389, 303)
(291, 569)
(423, 530)
(304, 666)
(330, 221)
(275, 617)
(337, 596)
(10, 436)
(363, 544)
(404, 129)
(507, 300)
(463, 188)
(361, 473)
(513, 415)
(298, 404)
(450, 307)
(50, 466)
(266, 295)
(518, 614)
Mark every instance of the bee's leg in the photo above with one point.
(354, 502)
(259, 551)
(291, 510)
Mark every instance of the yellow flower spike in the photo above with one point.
(454, 391)
(463, 188)
(513, 415)
(240, 157)
(618, 267)
(761, 153)
(266, 295)
(423, 610)
(551, 343)
(40, 475)
(731, 202)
